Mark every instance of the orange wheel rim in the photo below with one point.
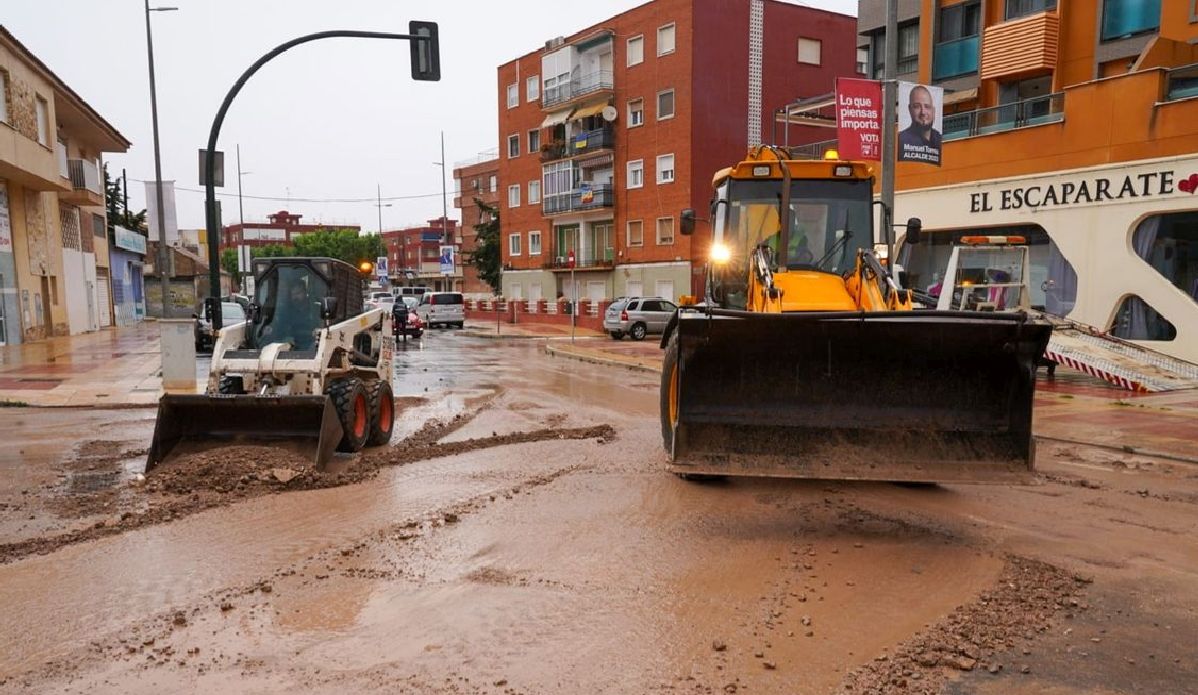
(360, 416)
(673, 395)
(386, 414)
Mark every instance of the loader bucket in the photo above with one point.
(895, 396)
(191, 423)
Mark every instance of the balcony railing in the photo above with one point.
(582, 143)
(577, 87)
(581, 199)
(563, 262)
(953, 58)
(1020, 114)
(1123, 18)
(813, 150)
(85, 175)
(1182, 83)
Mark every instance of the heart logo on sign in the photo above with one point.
(1189, 185)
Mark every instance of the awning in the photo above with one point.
(556, 118)
(960, 96)
(589, 110)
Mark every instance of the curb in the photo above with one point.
(606, 361)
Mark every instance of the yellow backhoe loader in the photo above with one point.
(804, 359)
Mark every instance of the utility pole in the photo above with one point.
(240, 209)
(163, 257)
(378, 190)
(445, 234)
(889, 128)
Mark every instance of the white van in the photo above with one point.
(442, 308)
(416, 292)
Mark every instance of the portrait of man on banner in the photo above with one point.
(920, 122)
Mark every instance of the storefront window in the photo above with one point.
(1169, 243)
(1052, 279)
(1136, 320)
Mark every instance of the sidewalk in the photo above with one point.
(117, 367)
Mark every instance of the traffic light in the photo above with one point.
(365, 267)
(426, 51)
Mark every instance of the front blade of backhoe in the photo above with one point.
(899, 396)
(189, 423)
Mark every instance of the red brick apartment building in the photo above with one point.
(474, 179)
(607, 134)
(282, 228)
(414, 255)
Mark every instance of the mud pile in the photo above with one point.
(1029, 597)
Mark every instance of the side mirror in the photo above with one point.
(686, 221)
(914, 230)
(328, 308)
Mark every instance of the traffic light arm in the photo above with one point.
(426, 65)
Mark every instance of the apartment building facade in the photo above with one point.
(281, 227)
(54, 262)
(1075, 125)
(414, 255)
(475, 180)
(607, 134)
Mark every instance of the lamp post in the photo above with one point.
(445, 236)
(163, 257)
(380, 206)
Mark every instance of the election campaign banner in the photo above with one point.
(920, 122)
(859, 118)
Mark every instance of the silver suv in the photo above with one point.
(638, 316)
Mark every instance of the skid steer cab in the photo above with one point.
(310, 369)
(805, 359)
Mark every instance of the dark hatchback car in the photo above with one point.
(231, 314)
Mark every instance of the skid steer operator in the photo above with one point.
(295, 321)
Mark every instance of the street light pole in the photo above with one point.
(889, 116)
(163, 257)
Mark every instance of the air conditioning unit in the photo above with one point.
(554, 43)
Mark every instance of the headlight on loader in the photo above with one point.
(720, 253)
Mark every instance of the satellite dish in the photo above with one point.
(609, 113)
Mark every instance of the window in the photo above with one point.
(959, 21)
(1123, 18)
(494, 183)
(513, 146)
(534, 141)
(908, 58)
(636, 50)
(665, 231)
(513, 245)
(1135, 319)
(532, 88)
(636, 112)
(513, 95)
(636, 173)
(43, 122)
(534, 243)
(636, 235)
(665, 40)
(810, 51)
(1019, 8)
(665, 105)
(534, 192)
(665, 168)
(3, 96)
(513, 196)
(862, 61)
(1169, 243)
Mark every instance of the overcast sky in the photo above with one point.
(328, 120)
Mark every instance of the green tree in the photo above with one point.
(343, 244)
(114, 201)
(487, 258)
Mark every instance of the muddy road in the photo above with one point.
(521, 537)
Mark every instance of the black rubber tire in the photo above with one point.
(230, 385)
(382, 412)
(352, 404)
(638, 331)
(617, 335)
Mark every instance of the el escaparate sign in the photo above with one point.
(1087, 190)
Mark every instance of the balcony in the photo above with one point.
(1182, 83)
(587, 198)
(1020, 114)
(1124, 18)
(585, 142)
(577, 87)
(557, 263)
(86, 188)
(955, 58)
(1021, 46)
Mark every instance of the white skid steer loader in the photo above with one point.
(310, 368)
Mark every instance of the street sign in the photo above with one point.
(219, 166)
(447, 260)
(380, 268)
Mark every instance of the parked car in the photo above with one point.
(231, 314)
(381, 300)
(637, 317)
(442, 309)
